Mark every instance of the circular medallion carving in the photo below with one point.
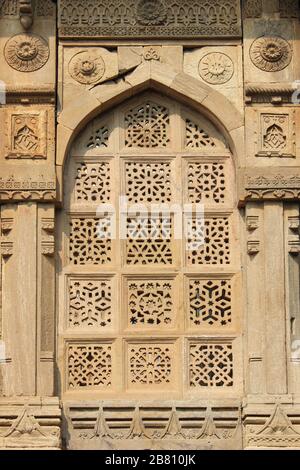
(26, 52)
(216, 68)
(151, 12)
(271, 54)
(87, 67)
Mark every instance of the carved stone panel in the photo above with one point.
(26, 135)
(149, 18)
(271, 136)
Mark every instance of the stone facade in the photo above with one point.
(155, 341)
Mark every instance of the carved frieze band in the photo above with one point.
(33, 189)
(278, 430)
(149, 18)
(25, 426)
(276, 186)
(182, 423)
(271, 93)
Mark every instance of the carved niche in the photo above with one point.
(276, 135)
(26, 135)
(151, 18)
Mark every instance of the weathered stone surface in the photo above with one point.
(185, 336)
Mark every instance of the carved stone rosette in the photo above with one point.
(271, 54)
(26, 52)
(87, 67)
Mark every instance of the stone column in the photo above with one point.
(29, 409)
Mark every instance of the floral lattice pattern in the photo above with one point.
(150, 303)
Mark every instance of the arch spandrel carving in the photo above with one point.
(161, 78)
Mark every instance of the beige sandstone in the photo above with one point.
(126, 343)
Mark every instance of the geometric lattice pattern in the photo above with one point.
(149, 240)
(86, 246)
(149, 364)
(159, 278)
(210, 302)
(196, 137)
(210, 365)
(147, 125)
(215, 248)
(92, 183)
(98, 138)
(150, 303)
(89, 303)
(206, 183)
(148, 182)
(89, 365)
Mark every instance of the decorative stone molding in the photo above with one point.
(26, 52)
(27, 189)
(272, 93)
(275, 184)
(154, 425)
(216, 68)
(278, 430)
(35, 424)
(30, 95)
(271, 54)
(149, 18)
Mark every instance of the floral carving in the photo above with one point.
(151, 12)
(151, 53)
(149, 18)
(271, 54)
(26, 52)
(87, 67)
(216, 68)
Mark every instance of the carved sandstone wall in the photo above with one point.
(149, 342)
